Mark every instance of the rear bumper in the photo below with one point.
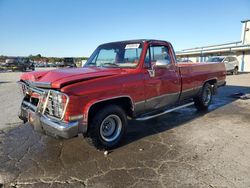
(49, 126)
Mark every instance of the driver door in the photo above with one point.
(162, 81)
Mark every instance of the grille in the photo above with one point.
(51, 103)
(31, 96)
(33, 100)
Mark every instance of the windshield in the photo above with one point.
(215, 59)
(120, 55)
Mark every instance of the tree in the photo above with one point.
(39, 56)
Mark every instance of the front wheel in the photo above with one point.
(107, 127)
(204, 98)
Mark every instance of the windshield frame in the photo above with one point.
(95, 54)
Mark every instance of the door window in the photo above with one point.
(155, 53)
(226, 59)
(233, 59)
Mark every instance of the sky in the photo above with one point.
(67, 28)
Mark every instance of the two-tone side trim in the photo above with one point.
(165, 112)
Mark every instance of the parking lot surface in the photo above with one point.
(181, 149)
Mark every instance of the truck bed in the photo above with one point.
(193, 76)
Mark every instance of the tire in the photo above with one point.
(107, 127)
(235, 71)
(204, 98)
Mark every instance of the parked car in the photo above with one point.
(67, 62)
(139, 79)
(231, 63)
(51, 65)
(20, 64)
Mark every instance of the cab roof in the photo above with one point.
(136, 41)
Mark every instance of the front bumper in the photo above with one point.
(49, 126)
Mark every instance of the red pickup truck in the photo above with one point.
(137, 79)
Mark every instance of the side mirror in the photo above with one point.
(162, 63)
(226, 61)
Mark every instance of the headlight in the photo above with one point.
(56, 104)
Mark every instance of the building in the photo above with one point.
(239, 49)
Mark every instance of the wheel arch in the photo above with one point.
(213, 83)
(125, 102)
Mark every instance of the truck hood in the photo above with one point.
(61, 77)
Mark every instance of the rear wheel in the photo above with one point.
(235, 71)
(204, 98)
(107, 127)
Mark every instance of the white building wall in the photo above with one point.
(193, 59)
(239, 58)
(244, 61)
(245, 35)
(247, 61)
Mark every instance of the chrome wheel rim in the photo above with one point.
(207, 95)
(110, 128)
